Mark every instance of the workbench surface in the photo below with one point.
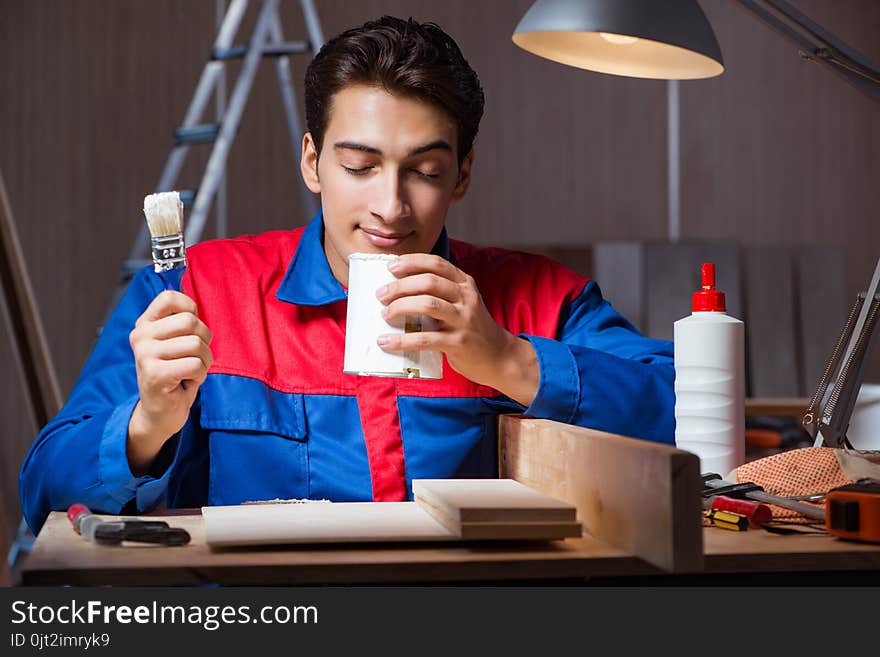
(60, 556)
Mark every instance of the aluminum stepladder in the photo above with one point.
(266, 40)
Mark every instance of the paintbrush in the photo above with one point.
(164, 213)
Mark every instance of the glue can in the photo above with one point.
(710, 381)
(367, 272)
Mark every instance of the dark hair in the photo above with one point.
(407, 58)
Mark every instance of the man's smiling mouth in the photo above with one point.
(382, 239)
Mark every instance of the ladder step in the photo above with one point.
(233, 52)
(287, 48)
(197, 134)
(273, 50)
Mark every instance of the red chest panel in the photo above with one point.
(299, 349)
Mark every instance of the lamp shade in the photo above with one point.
(670, 40)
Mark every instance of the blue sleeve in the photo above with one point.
(80, 455)
(602, 373)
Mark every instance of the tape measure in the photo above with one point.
(853, 511)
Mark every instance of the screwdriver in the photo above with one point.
(758, 514)
(97, 530)
(726, 520)
(755, 492)
(83, 520)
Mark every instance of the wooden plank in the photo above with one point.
(547, 531)
(519, 531)
(25, 325)
(342, 522)
(639, 496)
(824, 306)
(771, 344)
(491, 509)
(496, 509)
(619, 271)
(491, 500)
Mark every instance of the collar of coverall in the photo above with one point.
(309, 280)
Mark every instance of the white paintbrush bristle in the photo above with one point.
(164, 213)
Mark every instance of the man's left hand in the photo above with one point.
(475, 345)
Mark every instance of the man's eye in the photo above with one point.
(356, 172)
(429, 176)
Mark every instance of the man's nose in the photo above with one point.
(389, 200)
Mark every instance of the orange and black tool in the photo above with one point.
(852, 512)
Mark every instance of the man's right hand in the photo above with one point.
(171, 352)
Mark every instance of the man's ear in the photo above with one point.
(308, 164)
(464, 177)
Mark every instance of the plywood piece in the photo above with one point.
(824, 306)
(547, 531)
(543, 531)
(491, 500)
(771, 340)
(639, 496)
(391, 522)
(496, 509)
(337, 522)
(619, 274)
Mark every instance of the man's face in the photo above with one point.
(387, 174)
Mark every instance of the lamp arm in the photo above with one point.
(817, 44)
(828, 416)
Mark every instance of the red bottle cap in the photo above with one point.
(708, 299)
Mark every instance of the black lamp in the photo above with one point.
(673, 40)
(670, 40)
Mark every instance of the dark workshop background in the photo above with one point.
(776, 151)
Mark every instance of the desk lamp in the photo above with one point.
(673, 40)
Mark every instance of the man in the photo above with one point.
(232, 389)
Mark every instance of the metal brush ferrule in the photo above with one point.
(168, 252)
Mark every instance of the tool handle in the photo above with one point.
(726, 520)
(757, 513)
(113, 533)
(74, 511)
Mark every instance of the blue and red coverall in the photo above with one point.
(277, 418)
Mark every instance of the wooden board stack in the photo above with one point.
(444, 510)
(495, 509)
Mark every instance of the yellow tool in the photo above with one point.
(727, 520)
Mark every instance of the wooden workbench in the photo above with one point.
(638, 502)
(61, 557)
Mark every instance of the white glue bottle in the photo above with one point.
(710, 381)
